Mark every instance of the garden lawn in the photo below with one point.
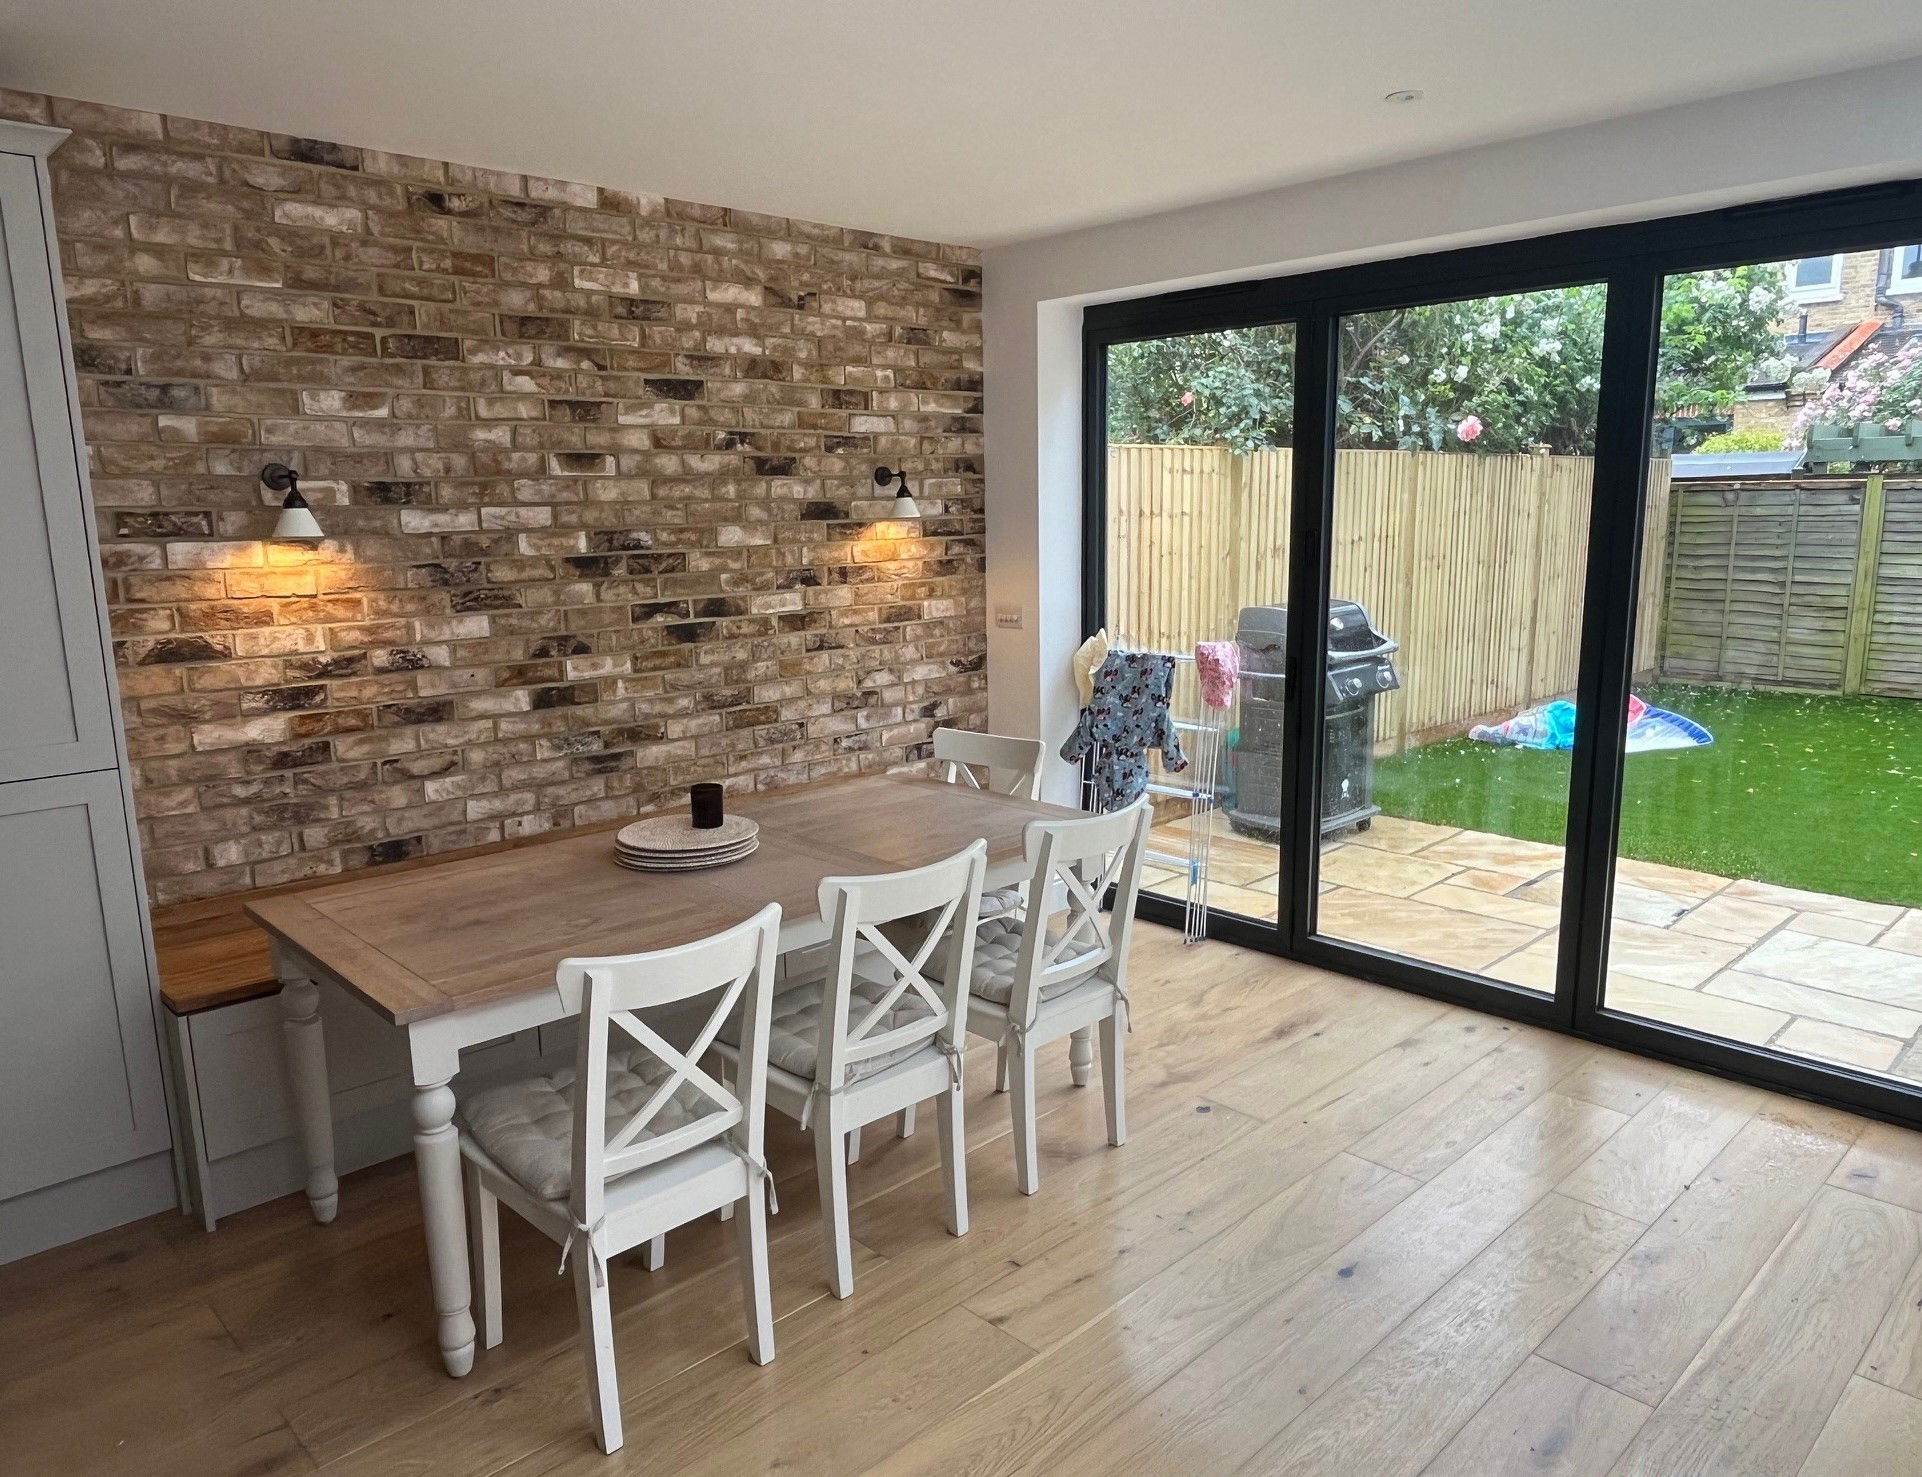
(1800, 789)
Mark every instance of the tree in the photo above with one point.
(1502, 373)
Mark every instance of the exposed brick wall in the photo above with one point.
(595, 469)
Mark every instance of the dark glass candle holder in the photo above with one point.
(705, 804)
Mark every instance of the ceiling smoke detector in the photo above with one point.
(1406, 95)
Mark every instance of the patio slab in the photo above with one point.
(1839, 967)
(1831, 978)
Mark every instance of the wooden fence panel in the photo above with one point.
(1761, 583)
(1475, 564)
(1894, 659)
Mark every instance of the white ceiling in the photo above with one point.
(979, 122)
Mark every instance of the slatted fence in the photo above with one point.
(1475, 564)
(1809, 583)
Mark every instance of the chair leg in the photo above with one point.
(831, 1164)
(1114, 1072)
(954, 1158)
(484, 1233)
(854, 1146)
(1081, 1056)
(1027, 1156)
(1001, 1066)
(907, 1120)
(597, 1347)
(756, 1285)
(655, 1257)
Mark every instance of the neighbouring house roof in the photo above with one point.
(1833, 351)
(1697, 464)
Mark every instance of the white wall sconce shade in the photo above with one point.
(904, 505)
(296, 523)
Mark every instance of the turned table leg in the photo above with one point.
(443, 1215)
(306, 1049)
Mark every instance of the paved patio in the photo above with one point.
(1817, 976)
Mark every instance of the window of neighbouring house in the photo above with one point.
(1905, 270)
(1814, 279)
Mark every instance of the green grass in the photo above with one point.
(1799, 789)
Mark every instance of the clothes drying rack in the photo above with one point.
(1203, 741)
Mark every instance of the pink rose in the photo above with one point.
(1469, 429)
(1187, 397)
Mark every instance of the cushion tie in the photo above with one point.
(757, 1167)
(593, 1239)
(953, 1054)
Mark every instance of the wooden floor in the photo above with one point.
(1354, 1232)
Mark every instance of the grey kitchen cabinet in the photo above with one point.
(84, 1133)
(56, 713)
(80, 1083)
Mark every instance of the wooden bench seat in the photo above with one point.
(211, 954)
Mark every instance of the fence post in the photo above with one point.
(1868, 559)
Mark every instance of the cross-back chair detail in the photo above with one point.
(628, 1183)
(1070, 973)
(909, 975)
(962, 752)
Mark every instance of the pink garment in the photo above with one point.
(1218, 666)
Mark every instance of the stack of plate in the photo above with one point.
(669, 843)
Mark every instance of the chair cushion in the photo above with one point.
(999, 902)
(997, 951)
(794, 1029)
(527, 1127)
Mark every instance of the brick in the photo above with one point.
(592, 468)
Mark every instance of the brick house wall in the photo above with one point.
(595, 469)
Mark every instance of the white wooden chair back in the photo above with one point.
(1087, 856)
(1017, 761)
(856, 907)
(735, 967)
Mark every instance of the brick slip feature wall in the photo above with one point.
(595, 469)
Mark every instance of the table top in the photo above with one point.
(489, 928)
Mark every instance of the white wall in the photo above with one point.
(1846, 129)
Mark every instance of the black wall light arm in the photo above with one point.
(904, 504)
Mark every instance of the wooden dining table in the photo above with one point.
(464, 953)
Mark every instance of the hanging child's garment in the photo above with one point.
(1126, 716)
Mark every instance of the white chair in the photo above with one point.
(877, 1034)
(1001, 765)
(978, 758)
(636, 1140)
(1036, 980)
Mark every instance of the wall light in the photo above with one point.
(904, 505)
(297, 523)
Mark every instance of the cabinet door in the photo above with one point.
(79, 1060)
(55, 712)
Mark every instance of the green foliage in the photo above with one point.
(1526, 368)
(1755, 438)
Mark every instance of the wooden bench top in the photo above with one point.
(211, 954)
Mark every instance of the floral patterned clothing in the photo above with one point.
(1126, 716)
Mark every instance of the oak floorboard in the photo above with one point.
(1429, 1135)
(1546, 1421)
(1895, 1354)
(1049, 1408)
(1640, 1327)
(1391, 1413)
(1234, 1396)
(1872, 1429)
(1238, 1285)
(1757, 1397)
(1885, 1164)
(1639, 1172)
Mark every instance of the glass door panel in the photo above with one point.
(1200, 447)
(1769, 868)
(1463, 465)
